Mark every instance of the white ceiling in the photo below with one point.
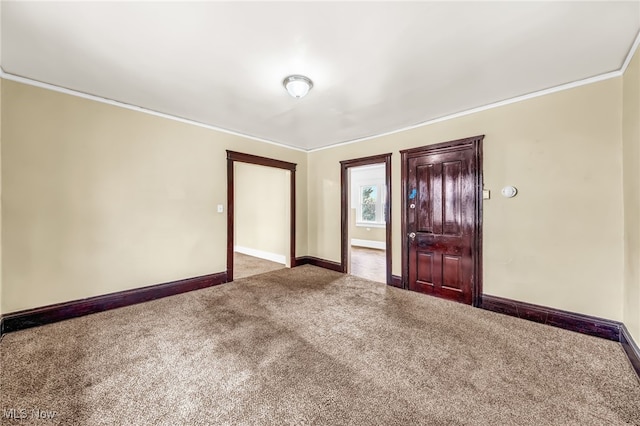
(377, 67)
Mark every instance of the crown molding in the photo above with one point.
(24, 80)
(555, 89)
(532, 95)
(567, 86)
(632, 51)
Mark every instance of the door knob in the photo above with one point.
(412, 235)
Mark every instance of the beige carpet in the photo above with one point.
(310, 346)
(247, 266)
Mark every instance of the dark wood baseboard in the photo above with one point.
(631, 349)
(594, 326)
(53, 313)
(396, 281)
(580, 323)
(315, 261)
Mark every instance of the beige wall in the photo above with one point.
(559, 242)
(261, 203)
(366, 233)
(98, 198)
(631, 185)
(1, 311)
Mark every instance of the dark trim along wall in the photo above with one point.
(631, 349)
(396, 281)
(585, 324)
(53, 313)
(315, 261)
(594, 326)
(580, 323)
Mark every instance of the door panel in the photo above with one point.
(451, 217)
(442, 197)
(425, 215)
(452, 272)
(425, 267)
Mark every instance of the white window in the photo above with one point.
(367, 193)
(370, 209)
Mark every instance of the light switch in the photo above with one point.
(486, 194)
(220, 208)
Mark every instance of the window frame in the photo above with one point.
(379, 222)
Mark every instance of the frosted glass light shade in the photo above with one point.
(297, 85)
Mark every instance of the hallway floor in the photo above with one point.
(247, 266)
(369, 263)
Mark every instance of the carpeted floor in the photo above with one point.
(311, 346)
(246, 266)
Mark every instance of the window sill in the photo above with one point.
(370, 224)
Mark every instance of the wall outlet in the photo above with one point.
(220, 208)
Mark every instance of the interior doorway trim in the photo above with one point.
(232, 157)
(476, 143)
(344, 195)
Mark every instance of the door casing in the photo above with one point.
(344, 194)
(232, 157)
(475, 143)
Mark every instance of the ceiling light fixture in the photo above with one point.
(297, 85)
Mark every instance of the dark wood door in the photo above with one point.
(442, 220)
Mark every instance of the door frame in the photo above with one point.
(344, 205)
(232, 157)
(475, 142)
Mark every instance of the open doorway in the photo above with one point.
(260, 215)
(261, 222)
(366, 217)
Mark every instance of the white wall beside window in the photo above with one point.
(362, 177)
